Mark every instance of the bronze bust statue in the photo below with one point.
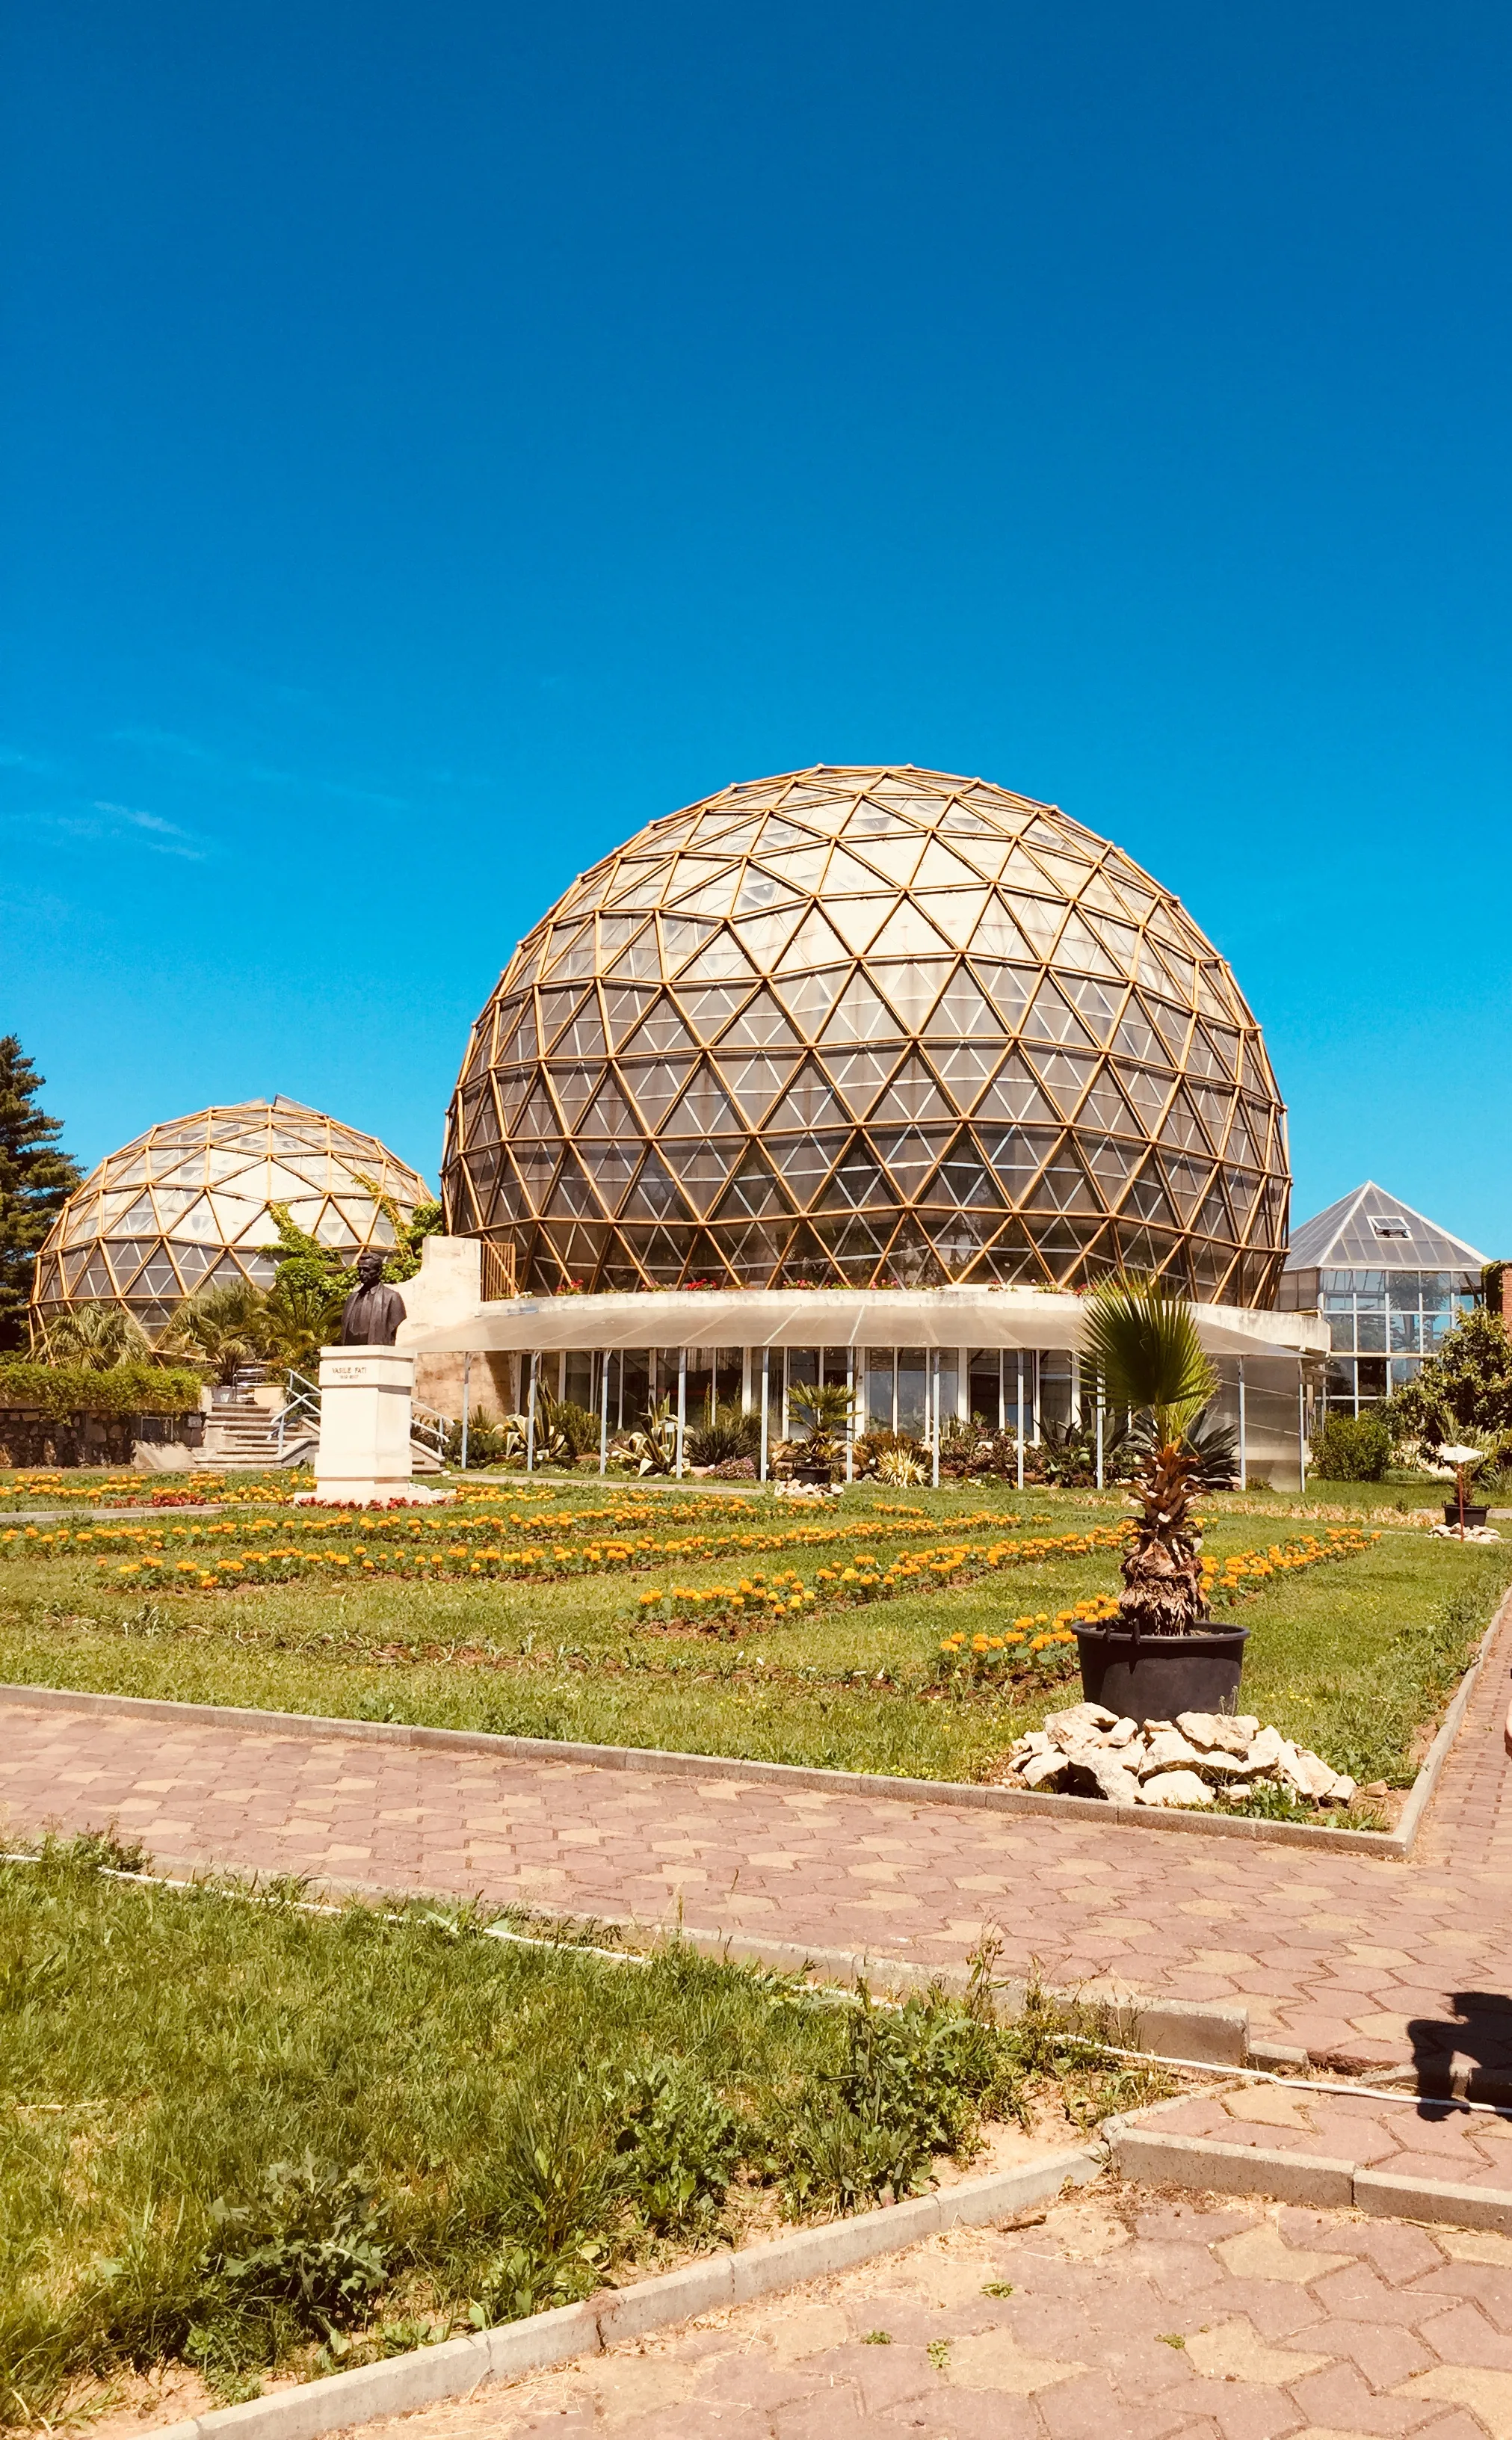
(372, 1312)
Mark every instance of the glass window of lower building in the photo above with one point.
(1383, 1324)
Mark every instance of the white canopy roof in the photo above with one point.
(446, 1315)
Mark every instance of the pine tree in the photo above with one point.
(36, 1180)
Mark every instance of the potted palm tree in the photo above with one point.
(824, 1408)
(1162, 1655)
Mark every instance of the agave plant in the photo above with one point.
(651, 1449)
(1144, 1341)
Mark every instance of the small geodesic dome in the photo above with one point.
(187, 1203)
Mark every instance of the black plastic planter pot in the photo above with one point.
(1154, 1677)
(814, 1474)
(1473, 1516)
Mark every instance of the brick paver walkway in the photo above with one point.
(1404, 2139)
(1129, 2318)
(1337, 1953)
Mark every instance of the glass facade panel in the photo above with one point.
(985, 1386)
(1055, 1390)
(912, 1385)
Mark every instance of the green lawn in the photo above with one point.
(239, 2134)
(1355, 1659)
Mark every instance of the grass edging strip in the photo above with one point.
(511, 2349)
(1142, 2152)
(665, 1762)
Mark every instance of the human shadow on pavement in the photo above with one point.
(1464, 2057)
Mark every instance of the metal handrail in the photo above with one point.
(301, 1401)
(429, 1428)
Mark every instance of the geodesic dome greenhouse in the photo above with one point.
(187, 1203)
(874, 1027)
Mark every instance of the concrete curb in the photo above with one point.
(458, 2366)
(1201, 2164)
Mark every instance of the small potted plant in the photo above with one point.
(1162, 1655)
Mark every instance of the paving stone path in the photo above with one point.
(1127, 2316)
(1339, 1954)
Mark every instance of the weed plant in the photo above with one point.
(240, 2134)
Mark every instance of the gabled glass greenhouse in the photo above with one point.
(1389, 1284)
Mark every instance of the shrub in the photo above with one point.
(731, 1435)
(892, 1457)
(60, 1390)
(1352, 1448)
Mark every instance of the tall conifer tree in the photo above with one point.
(36, 1179)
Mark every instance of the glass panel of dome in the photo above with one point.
(573, 1089)
(913, 1094)
(639, 882)
(656, 1086)
(761, 1020)
(1052, 1018)
(808, 999)
(1014, 1093)
(556, 1008)
(908, 933)
(1079, 947)
(964, 1068)
(914, 988)
(1097, 1004)
(762, 893)
(956, 914)
(704, 1109)
(1136, 1038)
(721, 957)
(814, 943)
(608, 1114)
(570, 1196)
(539, 1117)
(857, 1181)
(753, 1193)
(909, 1155)
(662, 1029)
(708, 1007)
(858, 1015)
(810, 1102)
(939, 868)
(804, 1162)
(682, 937)
(654, 1195)
(755, 1081)
(1065, 1074)
(513, 1090)
(1180, 1128)
(627, 1004)
(849, 878)
(871, 827)
(764, 937)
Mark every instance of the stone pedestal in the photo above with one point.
(364, 1424)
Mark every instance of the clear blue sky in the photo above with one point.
(435, 441)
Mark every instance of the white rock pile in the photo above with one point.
(1090, 1751)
